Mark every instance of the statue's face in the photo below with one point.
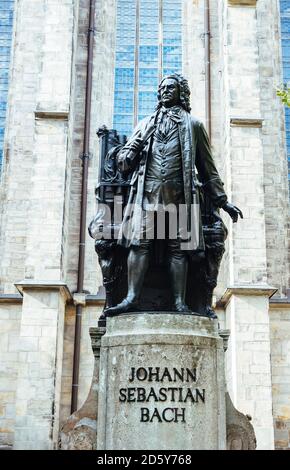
(169, 92)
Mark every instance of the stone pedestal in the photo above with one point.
(161, 383)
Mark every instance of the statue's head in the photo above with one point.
(173, 89)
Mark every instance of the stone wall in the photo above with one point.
(276, 195)
(246, 262)
(10, 315)
(35, 158)
(247, 244)
(33, 213)
(18, 157)
(249, 70)
(280, 362)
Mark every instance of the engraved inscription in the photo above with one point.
(184, 393)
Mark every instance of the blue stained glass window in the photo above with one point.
(144, 53)
(172, 38)
(148, 56)
(124, 106)
(147, 96)
(142, 116)
(285, 32)
(285, 26)
(147, 75)
(125, 66)
(285, 49)
(284, 6)
(6, 26)
(149, 28)
(124, 78)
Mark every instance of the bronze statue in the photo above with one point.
(167, 164)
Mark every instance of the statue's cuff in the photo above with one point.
(224, 204)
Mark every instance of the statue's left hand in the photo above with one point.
(233, 211)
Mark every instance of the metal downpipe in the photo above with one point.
(83, 213)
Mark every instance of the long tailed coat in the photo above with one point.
(196, 154)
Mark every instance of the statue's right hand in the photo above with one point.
(136, 145)
(124, 163)
(127, 158)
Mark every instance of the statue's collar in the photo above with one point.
(174, 109)
(174, 112)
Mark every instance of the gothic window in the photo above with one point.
(148, 46)
(6, 25)
(285, 37)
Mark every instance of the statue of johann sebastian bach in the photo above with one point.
(163, 156)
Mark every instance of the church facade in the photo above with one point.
(234, 54)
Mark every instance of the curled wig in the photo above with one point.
(184, 91)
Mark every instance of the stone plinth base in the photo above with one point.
(161, 387)
(161, 383)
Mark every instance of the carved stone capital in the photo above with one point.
(31, 284)
(245, 290)
(96, 336)
(225, 334)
